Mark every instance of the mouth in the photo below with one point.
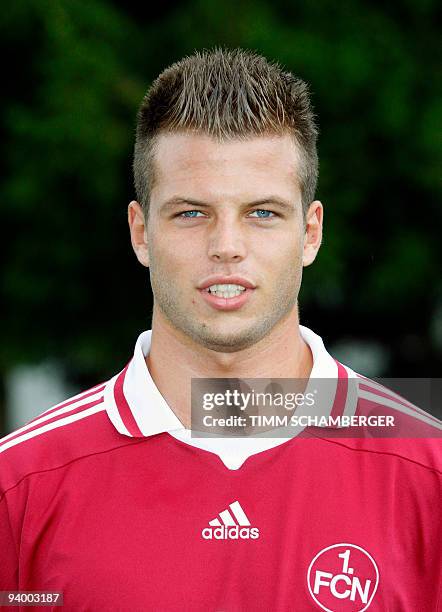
(226, 296)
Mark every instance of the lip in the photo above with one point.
(226, 280)
(220, 303)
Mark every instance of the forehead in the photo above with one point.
(198, 163)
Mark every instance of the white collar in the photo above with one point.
(136, 407)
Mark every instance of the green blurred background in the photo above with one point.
(75, 73)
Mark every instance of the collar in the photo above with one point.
(137, 409)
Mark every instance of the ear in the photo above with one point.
(138, 232)
(313, 232)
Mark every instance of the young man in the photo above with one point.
(109, 499)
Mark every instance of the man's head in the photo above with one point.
(225, 166)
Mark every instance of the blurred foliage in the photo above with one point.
(76, 73)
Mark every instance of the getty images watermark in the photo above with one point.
(340, 407)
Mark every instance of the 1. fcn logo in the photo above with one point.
(343, 577)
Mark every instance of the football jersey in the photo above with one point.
(109, 500)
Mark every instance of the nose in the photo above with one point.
(226, 242)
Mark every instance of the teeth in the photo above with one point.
(226, 291)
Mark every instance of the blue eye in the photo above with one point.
(264, 214)
(189, 214)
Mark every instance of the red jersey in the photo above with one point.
(109, 500)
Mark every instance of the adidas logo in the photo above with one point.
(230, 529)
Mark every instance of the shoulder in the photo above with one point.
(59, 435)
(390, 424)
(374, 397)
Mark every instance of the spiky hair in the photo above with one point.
(226, 94)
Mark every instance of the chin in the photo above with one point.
(228, 341)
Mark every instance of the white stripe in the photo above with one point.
(112, 409)
(59, 423)
(215, 523)
(351, 400)
(399, 407)
(227, 518)
(44, 417)
(77, 397)
(239, 513)
(377, 386)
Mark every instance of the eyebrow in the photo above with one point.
(272, 200)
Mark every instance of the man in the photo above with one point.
(110, 499)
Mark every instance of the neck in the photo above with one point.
(174, 359)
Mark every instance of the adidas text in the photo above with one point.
(230, 533)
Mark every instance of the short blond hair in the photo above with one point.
(227, 94)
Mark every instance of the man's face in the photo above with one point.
(225, 214)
